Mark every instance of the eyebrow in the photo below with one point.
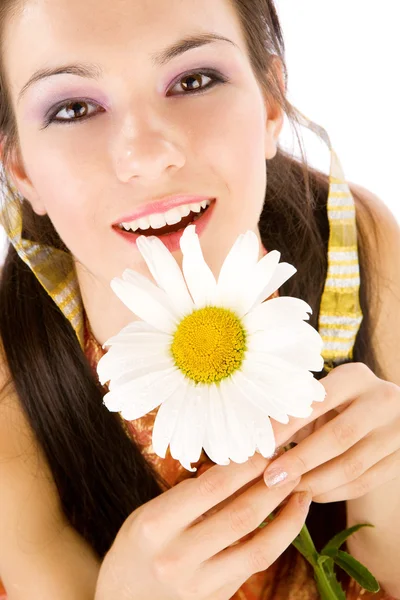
(94, 71)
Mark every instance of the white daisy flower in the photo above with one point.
(216, 357)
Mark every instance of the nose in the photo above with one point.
(146, 153)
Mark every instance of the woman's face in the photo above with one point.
(143, 134)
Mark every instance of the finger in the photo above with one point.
(196, 496)
(258, 553)
(331, 440)
(343, 384)
(386, 470)
(227, 591)
(351, 465)
(240, 517)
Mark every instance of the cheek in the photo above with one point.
(233, 143)
(231, 151)
(64, 181)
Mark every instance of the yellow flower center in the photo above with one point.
(209, 344)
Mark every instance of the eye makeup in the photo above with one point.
(47, 100)
(50, 96)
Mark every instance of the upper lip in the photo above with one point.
(162, 206)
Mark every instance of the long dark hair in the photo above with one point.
(101, 475)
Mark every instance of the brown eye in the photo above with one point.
(193, 82)
(70, 112)
(76, 109)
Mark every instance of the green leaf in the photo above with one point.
(355, 569)
(342, 536)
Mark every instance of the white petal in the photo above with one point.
(245, 412)
(257, 278)
(138, 280)
(166, 419)
(265, 438)
(147, 305)
(292, 380)
(259, 397)
(235, 271)
(176, 446)
(277, 311)
(126, 357)
(291, 400)
(183, 448)
(119, 370)
(198, 275)
(139, 344)
(133, 372)
(300, 344)
(117, 362)
(282, 273)
(216, 435)
(294, 394)
(142, 395)
(240, 430)
(262, 436)
(138, 330)
(166, 272)
(319, 392)
(196, 420)
(267, 362)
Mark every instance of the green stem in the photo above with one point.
(304, 544)
(324, 587)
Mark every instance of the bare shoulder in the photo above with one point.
(369, 205)
(381, 230)
(36, 542)
(381, 233)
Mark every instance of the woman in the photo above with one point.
(84, 513)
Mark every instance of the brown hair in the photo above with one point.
(101, 475)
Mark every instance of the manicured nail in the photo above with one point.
(274, 477)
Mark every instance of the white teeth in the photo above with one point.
(156, 221)
(184, 210)
(143, 223)
(173, 216)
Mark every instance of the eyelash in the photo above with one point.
(216, 77)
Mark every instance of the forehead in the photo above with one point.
(47, 32)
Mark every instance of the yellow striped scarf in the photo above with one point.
(340, 313)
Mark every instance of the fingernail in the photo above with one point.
(275, 477)
(304, 499)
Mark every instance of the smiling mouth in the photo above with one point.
(168, 229)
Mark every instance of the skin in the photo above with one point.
(139, 143)
(349, 448)
(145, 145)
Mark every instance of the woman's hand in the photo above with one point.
(351, 442)
(178, 547)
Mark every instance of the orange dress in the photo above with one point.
(281, 581)
(285, 579)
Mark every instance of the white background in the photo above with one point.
(342, 58)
